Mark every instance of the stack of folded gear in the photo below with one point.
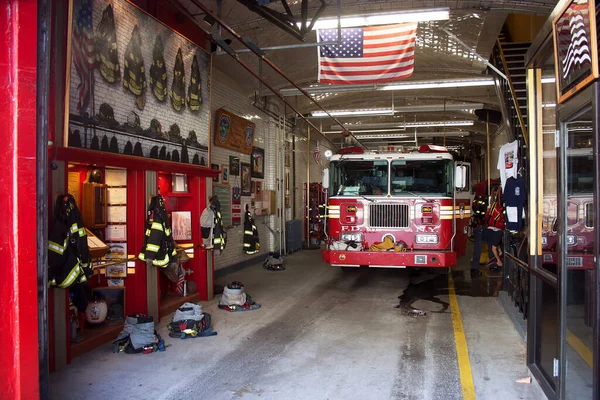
(138, 336)
(235, 299)
(189, 322)
(274, 262)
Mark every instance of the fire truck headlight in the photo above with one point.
(571, 239)
(544, 241)
(355, 237)
(426, 239)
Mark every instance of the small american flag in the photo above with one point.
(317, 154)
(367, 55)
(83, 53)
(180, 281)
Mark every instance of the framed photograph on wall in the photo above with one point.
(116, 271)
(246, 180)
(258, 188)
(257, 160)
(182, 225)
(225, 173)
(169, 97)
(215, 166)
(234, 166)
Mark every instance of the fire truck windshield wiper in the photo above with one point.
(366, 198)
(418, 195)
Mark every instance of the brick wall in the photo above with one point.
(226, 94)
(122, 100)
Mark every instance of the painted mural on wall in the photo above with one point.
(136, 86)
(234, 132)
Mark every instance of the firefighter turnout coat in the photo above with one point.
(251, 242)
(68, 252)
(159, 246)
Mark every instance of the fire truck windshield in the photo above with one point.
(401, 178)
(430, 177)
(359, 178)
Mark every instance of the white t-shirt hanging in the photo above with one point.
(508, 161)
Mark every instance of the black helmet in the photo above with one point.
(96, 176)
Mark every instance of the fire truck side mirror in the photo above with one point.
(460, 177)
(325, 178)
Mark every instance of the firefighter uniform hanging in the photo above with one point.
(178, 87)
(158, 71)
(220, 236)
(134, 74)
(194, 99)
(251, 242)
(107, 53)
(68, 252)
(159, 246)
(211, 222)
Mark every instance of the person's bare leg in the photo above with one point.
(498, 259)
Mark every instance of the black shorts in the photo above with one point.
(492, 237)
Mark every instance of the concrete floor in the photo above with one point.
(323, 334)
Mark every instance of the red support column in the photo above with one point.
(18, 286)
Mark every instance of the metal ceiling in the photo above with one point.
(437, 55)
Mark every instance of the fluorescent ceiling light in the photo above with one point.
(385, 137)
(549, 79)
(434, 14)
(437, 85)
(434, 124)
(401, 125)
(380, 137)
(549, 105)
(342, 113)
(406, 85)
(399, 110)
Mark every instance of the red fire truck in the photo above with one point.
(580, 215)
(419, 201)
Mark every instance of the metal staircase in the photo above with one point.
(509, 58)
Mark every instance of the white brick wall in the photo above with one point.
(122, 100)
(226, 95)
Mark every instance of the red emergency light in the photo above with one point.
(429, 148)
(351, 150)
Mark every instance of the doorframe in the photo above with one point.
(566, 111)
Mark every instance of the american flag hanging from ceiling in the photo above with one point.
(83, 53)
(367, 55)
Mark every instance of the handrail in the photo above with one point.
(513, 93)
(540, 273)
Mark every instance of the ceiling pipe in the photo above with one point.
(272, 65)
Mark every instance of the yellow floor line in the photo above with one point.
(580, 348)
(462, 352)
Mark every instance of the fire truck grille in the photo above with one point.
(388, 215)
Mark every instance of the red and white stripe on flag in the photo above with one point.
(367, 55)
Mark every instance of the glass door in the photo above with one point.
(577, 263)
(544, 314)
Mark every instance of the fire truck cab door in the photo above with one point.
(462, 206)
